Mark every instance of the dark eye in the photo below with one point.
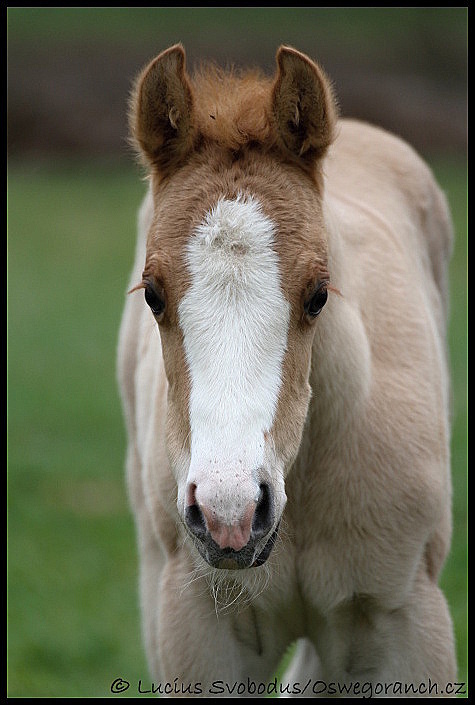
(317, 302)
(154, 300)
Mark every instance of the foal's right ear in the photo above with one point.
(161, 112)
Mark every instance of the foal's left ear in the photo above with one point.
(303, 106)
(161, 116)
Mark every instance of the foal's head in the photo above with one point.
(236, 277)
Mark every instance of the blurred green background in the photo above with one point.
(73, 193)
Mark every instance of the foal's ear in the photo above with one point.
(161, 111)
(303, 106)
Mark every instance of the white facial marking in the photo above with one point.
(234, 319)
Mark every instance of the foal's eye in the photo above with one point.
(318, 300)
(154, 300)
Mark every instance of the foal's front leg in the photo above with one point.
(206, 650)
(378, 652)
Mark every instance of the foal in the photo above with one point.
(282, 363)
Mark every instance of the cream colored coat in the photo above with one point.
(367, 523)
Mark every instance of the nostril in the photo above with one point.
(264, 514)
(195, 520)
(190, 494)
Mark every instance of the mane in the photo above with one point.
(233, 107)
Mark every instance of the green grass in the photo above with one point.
(123, 23)
(386, 33)
(73, 615)
(73, 619)
(453, 178)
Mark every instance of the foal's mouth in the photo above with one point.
(229, 559)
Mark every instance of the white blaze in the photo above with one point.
(234, 319)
